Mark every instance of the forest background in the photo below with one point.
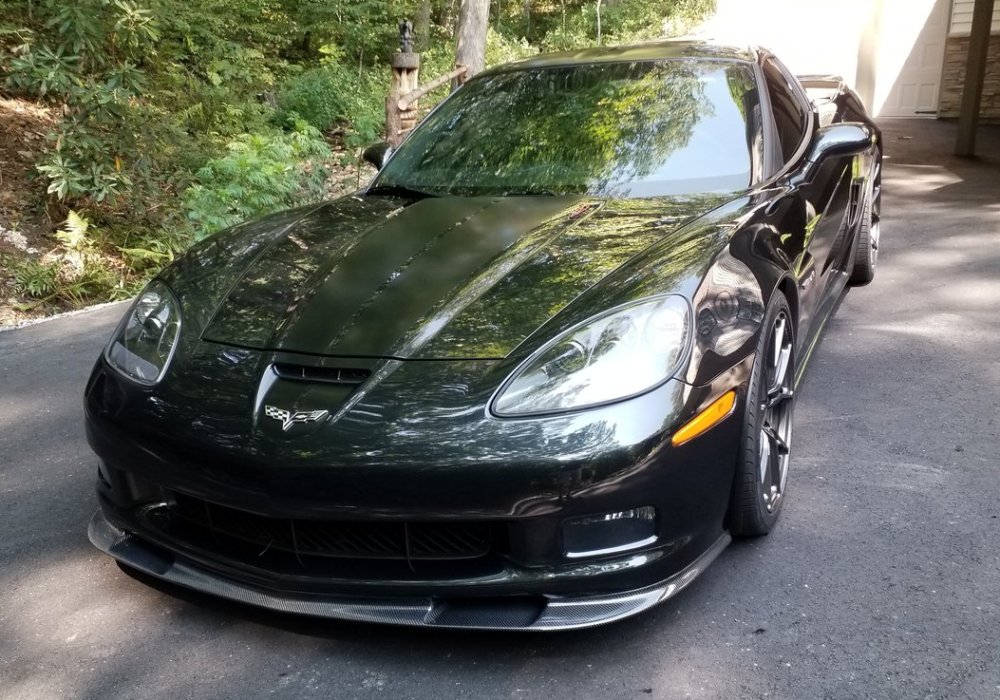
(131, 128)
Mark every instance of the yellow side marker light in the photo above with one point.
(711, 416)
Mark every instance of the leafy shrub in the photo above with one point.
(367, 115)
(333, 96)
(320, 96)
(261, 173)
(87, 59)
(502, 49)
(41, 72)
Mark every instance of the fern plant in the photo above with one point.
(73, 234)
(35, 279)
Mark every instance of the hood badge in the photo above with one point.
(288, 419)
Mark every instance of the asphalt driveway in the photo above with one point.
(881, 580)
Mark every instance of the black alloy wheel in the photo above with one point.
(762, 470)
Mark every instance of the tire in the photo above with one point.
(762, 466)
(866, 249)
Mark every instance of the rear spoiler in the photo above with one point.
(823, 91)
(823, 88)
(830, 82)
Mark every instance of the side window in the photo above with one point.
(789, 117)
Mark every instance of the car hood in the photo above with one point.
(433, 278)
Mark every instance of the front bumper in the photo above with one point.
(539, 612)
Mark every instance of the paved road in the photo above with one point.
(880, 581)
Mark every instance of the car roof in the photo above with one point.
(650, 51)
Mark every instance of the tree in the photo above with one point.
(422, 26)
(470, 37)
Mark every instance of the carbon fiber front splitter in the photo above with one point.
(496, 613)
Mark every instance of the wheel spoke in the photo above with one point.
(774, 426)
(780, 446)
(764, 458)
(778, 397)
(777, 343)
(781, 356)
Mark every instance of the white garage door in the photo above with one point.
(911, 90)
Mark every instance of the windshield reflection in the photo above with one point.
(620, 130)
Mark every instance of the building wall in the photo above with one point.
(810, 36)
(867, 42)
(961, 16)
(956, 53)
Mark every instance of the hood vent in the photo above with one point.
(329, 375)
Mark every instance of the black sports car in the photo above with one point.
(533, 377)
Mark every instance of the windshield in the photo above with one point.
(621, 130)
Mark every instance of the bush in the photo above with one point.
(261, 173)
(502, 49)
(320, 96)
(334, 97)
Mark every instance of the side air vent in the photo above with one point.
(854, 208)
(330, 375)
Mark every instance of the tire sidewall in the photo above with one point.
(748, 519)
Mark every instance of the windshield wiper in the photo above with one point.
(532, 192)
(400, 190)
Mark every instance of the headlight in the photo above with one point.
(145, 340)
(619, 354)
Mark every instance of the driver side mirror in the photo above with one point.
(377, 154)
(843, 139)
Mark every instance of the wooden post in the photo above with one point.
(405, 78)
(411, 98)
(975, 71)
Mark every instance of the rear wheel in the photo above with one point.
(762, 469)
(866, 252)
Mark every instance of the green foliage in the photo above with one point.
(622, 22)
(321, 96)
(261, 173)
(35, 279)
(145, 251)
(364, 29)
(88, 60)
(334, 98)
(42, 71)
(502, 49)
(179, 117)
(73, 235)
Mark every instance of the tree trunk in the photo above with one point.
(470, 44)
(598, 22)
(422, 27)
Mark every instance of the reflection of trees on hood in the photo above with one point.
(597, 128)
(580, 258)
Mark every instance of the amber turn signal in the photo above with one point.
(707, 419)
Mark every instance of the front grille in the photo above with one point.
(389, 540)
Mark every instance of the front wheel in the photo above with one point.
(762, 467)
